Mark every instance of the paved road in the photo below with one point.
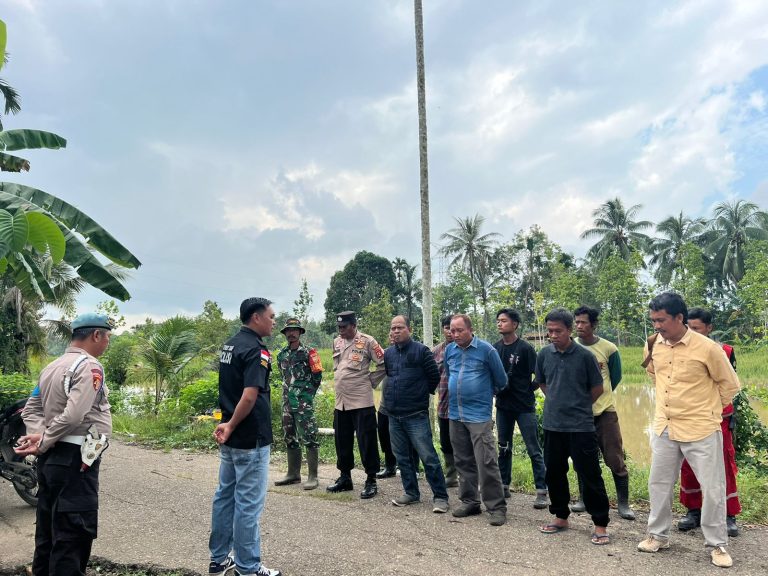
(156, 509)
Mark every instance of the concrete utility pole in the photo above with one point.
(426, 261)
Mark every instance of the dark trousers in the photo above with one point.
(347, 424)
(385, 441)
(583, 450)
(610, 442)
(67, 512)
(445, 435)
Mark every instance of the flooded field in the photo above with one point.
(635, 404)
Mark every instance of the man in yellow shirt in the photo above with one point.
(694, 382)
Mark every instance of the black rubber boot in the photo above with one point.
(312, 455)
(579, 506)
(622, 496)
(294, 468)
(730, 522)
(690, 521)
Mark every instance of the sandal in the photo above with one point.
(600, 539)
(552, 528)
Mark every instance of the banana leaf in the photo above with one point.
(71, 217)
(45, 235)
(25, 139)
(3, 39)
(14, 230)
(29, 279)
(11, 163)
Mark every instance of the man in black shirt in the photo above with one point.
(244, 437)
(571, 381)
(517, 403)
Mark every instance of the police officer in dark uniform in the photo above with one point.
(68, 404)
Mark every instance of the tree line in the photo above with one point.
(719, 263)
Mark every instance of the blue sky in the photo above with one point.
(236, 147)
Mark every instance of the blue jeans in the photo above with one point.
(237, 506)
(526, 421)
(414, 432)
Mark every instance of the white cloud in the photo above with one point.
(757, 101)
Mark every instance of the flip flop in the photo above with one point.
(600, 539)
(552, 529)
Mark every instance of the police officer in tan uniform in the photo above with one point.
(69, 401)
(354, 414)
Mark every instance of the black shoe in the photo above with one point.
(730, 522)
(690, 521)
(386, 472)
(342, 484)
(370, 490)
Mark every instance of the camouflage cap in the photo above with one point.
(293, 323)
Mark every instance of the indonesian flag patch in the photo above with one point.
(98, 378)
(265, 358)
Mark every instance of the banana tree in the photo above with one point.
(83, 237)
(21, 235)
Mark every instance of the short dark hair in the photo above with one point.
(591, 312)
(85, 332)
(406, 320)
(446, 321)
(671, 303)
(560, 315)
(467, 320)
(513, 315)
(700, 314)
(251, 306)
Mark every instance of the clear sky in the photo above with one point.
(236, 147)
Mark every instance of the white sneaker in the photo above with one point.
(262, 571)
(721, 558)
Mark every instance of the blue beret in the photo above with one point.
(91, 320)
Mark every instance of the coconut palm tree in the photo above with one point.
(617, 230)
(734, 225)
(165, 353)
(469, 248)
(673, 231)
(408, 286)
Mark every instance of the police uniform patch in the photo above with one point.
(355, 357)
(98, 378)
(359, 344)
(379, 352)
(265, 358)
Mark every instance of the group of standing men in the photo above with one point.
(467, 374)
(695, 385)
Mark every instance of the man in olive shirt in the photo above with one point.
(354, 414)
(604, 409)
(694, 382)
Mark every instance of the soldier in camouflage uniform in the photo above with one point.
(302, 373)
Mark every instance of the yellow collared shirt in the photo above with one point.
(694, 381)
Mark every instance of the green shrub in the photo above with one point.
(202, 395)
(14, 387)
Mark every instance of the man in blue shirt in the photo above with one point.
(412, 376)
(475, 373)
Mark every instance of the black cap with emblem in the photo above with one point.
(347, 317)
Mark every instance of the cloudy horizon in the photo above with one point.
(238, 147)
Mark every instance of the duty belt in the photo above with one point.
(73, 440)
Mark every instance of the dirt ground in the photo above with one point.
(155, 510)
